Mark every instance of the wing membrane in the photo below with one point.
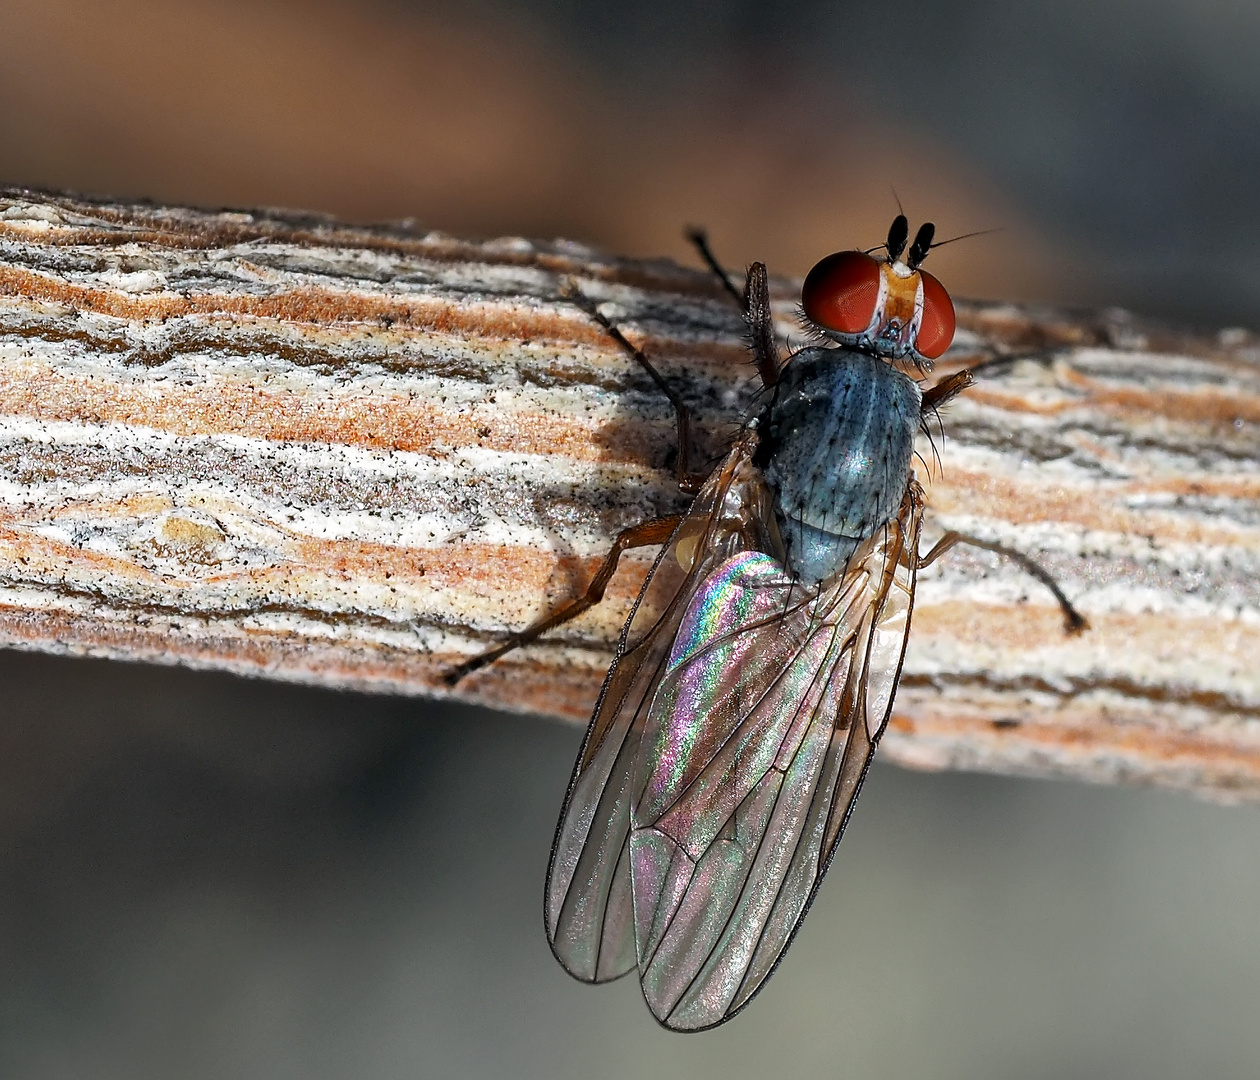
(588, 908)
(756, 741)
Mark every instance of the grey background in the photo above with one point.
(241, 879)
(209, 877)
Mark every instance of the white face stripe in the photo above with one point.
(877, 316)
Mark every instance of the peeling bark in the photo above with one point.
(282, 446)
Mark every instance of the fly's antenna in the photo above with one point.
(898, 234)
(899, 231)
(921, 246)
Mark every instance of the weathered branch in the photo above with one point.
(282, 446)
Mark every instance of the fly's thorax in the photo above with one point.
(838, 444)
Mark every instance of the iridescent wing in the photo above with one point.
(757, 738)
(588, 909)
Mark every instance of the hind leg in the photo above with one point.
(650, 532)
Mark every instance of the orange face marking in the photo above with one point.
(903, 292)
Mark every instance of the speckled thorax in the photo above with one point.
(837, 451)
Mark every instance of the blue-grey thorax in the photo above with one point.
(839, 441)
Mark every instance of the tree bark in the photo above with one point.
(282, 446)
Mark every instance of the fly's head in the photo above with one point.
(885, 305)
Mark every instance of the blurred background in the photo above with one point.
(207, 877)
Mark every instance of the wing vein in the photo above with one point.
(755, 854)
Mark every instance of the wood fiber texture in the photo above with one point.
(282, 446)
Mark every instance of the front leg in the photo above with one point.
(1073, 621)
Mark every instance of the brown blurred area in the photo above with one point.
(206, 877)
(481, 124)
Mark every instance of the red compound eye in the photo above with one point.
(841, 291)
(937, 329)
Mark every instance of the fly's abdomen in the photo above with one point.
(840, 439)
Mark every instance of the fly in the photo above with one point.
(756, 672)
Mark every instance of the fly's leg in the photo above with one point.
(700, 239)
(649, 533)
(688, 482)
(656, 531)
(946, 390)
(754, 302)
(1073, 621)
(760, 321)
